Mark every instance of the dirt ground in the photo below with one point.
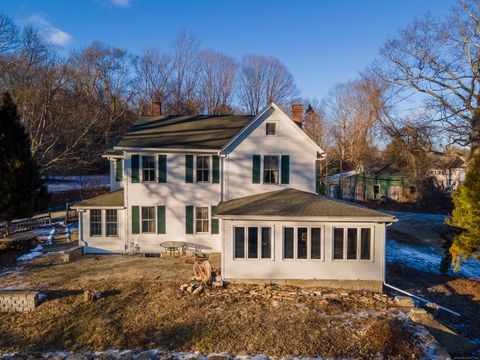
(142, 307)
(453, 291)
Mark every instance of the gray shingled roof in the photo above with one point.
(112, 199)
(294, 203)
(184, 132)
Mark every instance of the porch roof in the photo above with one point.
(296, 204)
(114, 199)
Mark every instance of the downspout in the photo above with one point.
(80, 231)
(125, 180)
(222, 156)
(425, 301)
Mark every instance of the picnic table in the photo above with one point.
(197, 247)
(173, 247)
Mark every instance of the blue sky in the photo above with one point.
(321, 42)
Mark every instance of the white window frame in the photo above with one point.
(275, 128)
(96, 222)
(203, 169)
(259, 242)
(154, 168)
(154, 220)
(359, 243)
(279, 157)
(110, 222)
(309, 242)
(207, 220)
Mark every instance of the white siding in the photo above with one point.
(278, 268)
(103, 244)
(114, 184)
(287, 141)
(175, 195)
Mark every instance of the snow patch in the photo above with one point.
(427, 259)
(66, 183)
(37, 250)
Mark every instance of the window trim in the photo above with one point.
(359, 243)
(259, 242)
(107, 222)
(155, 159)
(210, 162)
(209, 217)
(309, 242)
(154, 220)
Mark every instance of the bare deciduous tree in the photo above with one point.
(185, 79)
(217, 81)
(351, 120)
(154, 72)
(263, 80)
(440, 60)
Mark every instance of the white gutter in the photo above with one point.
(309, 218)
(167, 150)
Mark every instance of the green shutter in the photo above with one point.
(215, 169)
(162, 168)
(189, 219)
(215, 222)
(285, 169)
(135, 168)
(119, 170)
(135, 220)
(189, 168)
(256, 169)
(161, 219)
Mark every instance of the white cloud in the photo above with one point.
(122, 3)
(52, 34)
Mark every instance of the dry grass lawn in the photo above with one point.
(143, 308)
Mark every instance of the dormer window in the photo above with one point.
(203, 168)
(271, 129)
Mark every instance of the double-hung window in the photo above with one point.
(252, 242)
(148, 168)
(270, 169)
(95, 222)
(201, 219)
(203, 168)
(302, 243)
(352, 243)
(111, 222)
(148, 219)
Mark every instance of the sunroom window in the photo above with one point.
(96, 222)
(352, 243)
(111, 222)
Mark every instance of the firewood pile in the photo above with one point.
(206, 275)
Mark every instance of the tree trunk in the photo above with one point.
(475, 136)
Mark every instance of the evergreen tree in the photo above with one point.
(21, 188)
(466, 215)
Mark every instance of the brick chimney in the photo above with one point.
(156, 108)
(297, 114)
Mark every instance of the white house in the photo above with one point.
(242, 185)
